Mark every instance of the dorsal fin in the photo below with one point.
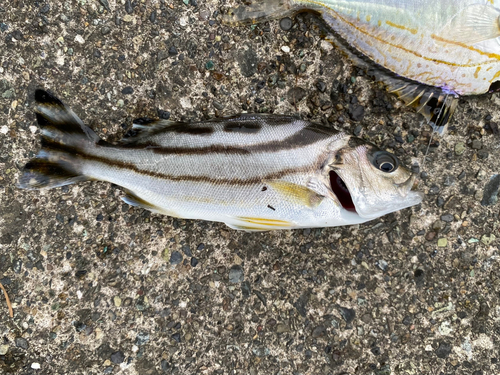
(145, 127)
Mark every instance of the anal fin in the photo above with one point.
(246, 228)
(133, 200)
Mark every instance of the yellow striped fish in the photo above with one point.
(252, 172)
(428, 52)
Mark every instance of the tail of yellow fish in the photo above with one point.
(259, 11)
(63, 135)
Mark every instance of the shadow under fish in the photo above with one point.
(427, 52)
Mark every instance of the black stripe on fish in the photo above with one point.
(304, 137)
(144, 121)
(183, 129)
(136, 133)
(143, 129)
(82, 155)
(242, 128)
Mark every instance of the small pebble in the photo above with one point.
(443, 350)
(487, 240)
(128, 7)
(442, 242)
(490, 192)
(286, 23)
(21, 342)
(459, 148)
(285, 49)
(382, 264)
(236, 274)
(447, 218)
(79, 39)
(175, 258)
(321, 86)
(127, 90)
(347, 314)
(477, 144)
(172, 51)
(117, 357)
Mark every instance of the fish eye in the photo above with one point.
(385, 161)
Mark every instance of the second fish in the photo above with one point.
(428, 52)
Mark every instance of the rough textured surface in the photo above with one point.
(101, 287)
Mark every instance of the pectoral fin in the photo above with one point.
(296, 193)
(473, 24)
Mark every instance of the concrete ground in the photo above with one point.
(99, 287)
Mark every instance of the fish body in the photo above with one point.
(450, 45)
(252, 172)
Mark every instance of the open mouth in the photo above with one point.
(341, 191)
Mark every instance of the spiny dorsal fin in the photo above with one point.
(144, 127)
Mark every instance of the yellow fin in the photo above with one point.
(296, 193)
(473, 24)
(266, 222)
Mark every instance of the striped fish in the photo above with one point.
(252, 172)
(428, 52)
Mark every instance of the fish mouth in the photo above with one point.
(340, 189)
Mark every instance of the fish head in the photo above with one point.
(369, 181)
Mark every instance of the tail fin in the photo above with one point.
(63, 136)
(259, 11)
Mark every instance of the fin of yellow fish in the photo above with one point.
(296, 193)
(473, 24)
(432, 102)
(258, 11)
